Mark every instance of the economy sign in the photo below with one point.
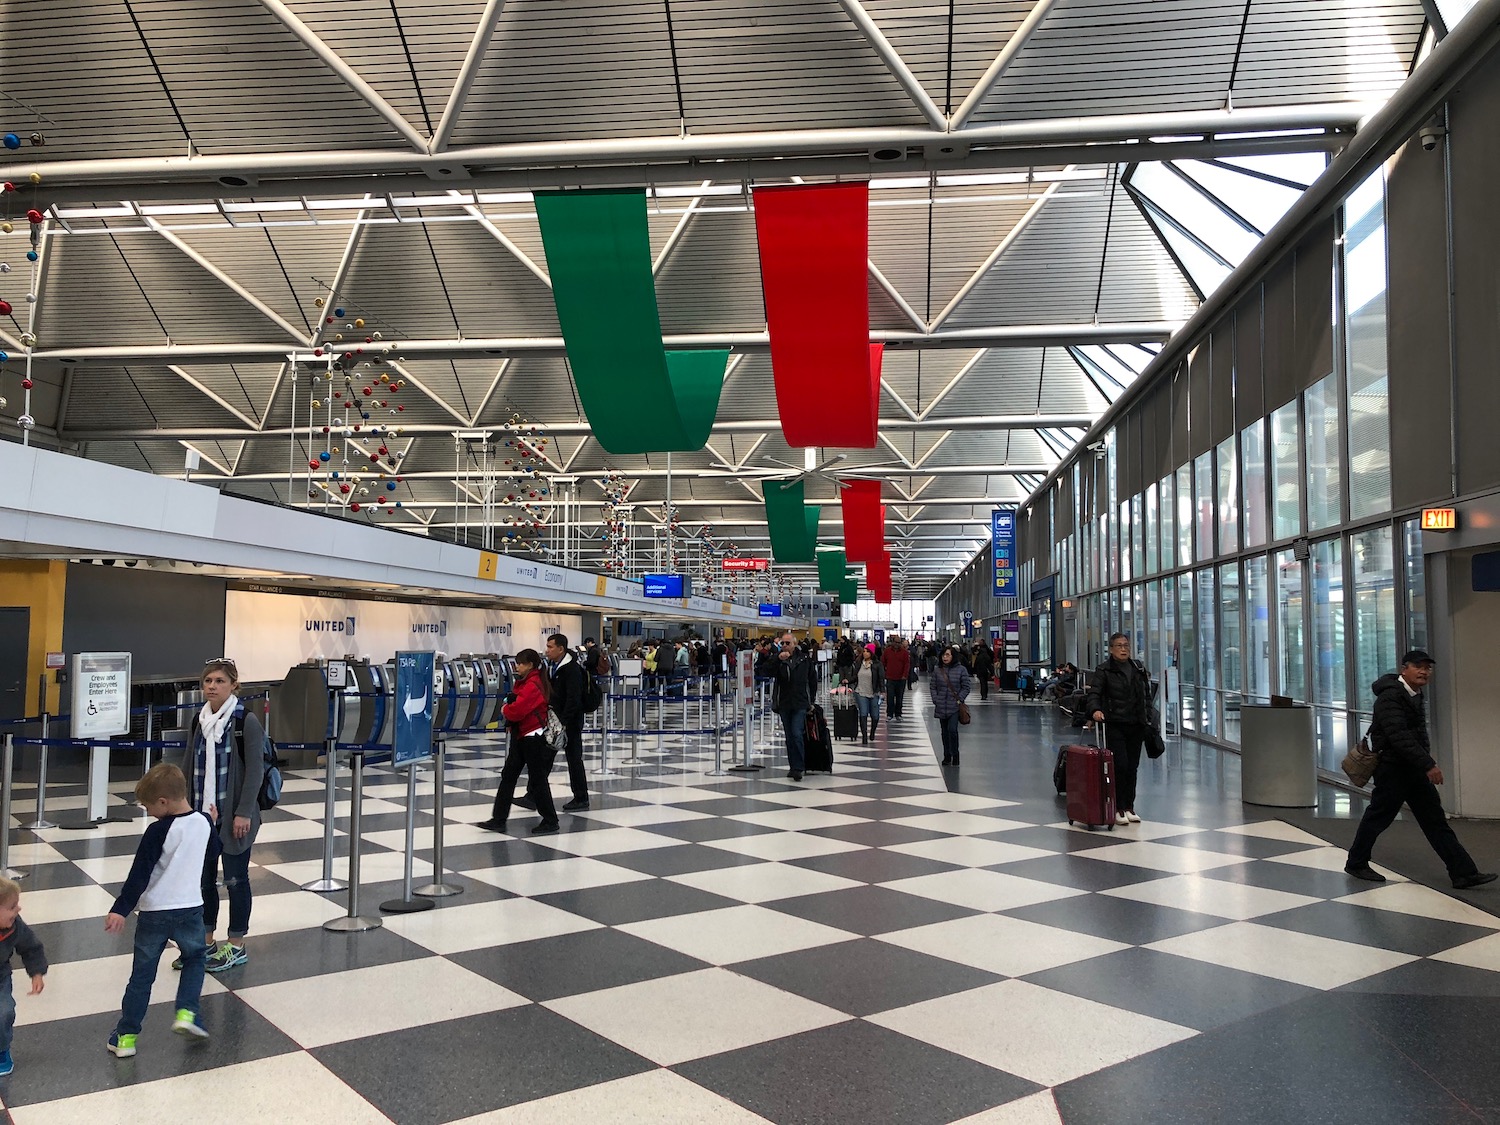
(1003, 544)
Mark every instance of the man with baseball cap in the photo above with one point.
(1407, 775)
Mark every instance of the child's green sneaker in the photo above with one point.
(121, 1046)
(186, 1024)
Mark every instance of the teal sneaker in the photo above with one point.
(227, 956)
(121, 1046)
(6, 1065)
(186, 1024)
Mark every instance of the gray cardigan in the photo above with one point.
(245, 775)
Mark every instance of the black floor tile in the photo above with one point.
(313, 953)
(576, 963)
(1430, 978)
(1405, 933)
(1234, 843)
(1077, 871)
(876, 834)
(680, 860)
(870, 910)
(301, 851)
(65, 1058)
(623, 903)
(1274, 1067)
(87, 846)
(51, 877)
(1055, 839)
(865, 976)
(872, 865)
(477, 1064)
(731, 806)
(857, 1073)
(1118, 919)
(1288, 877)
(1176, 989)
(714, 828)
(500, 852)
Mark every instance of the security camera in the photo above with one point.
(1433, 132)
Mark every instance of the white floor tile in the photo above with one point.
(952, 802)
(969, 851)
(374, 867)
(34, 855)
(456, 833)
(799, 820)
(369, 807)
(1218, 897)
(1424, 902)
(1275, 830)
(1481, 954)
(1045, 1036)
(104, 868)
(694, 1015)
(1306, 959)
(642, 816)
(479, 925)
(292, 910)
(1163, 857)
(1330, 859)
(287, 831)
(763, 882)
(1002, 945)
(1038, 1109)
(65, 904)
(607, 841)
(257, 1090)
(658, 1097)
(316, 1011)
(736, 933)
(784, 845)
(553, 876)
(80, 988)
(963, 823)
(671, 795)
(982, 890)
(810, 798)
(1145, 830)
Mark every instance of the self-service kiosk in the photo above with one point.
(492, 680)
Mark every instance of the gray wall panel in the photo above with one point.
(1417, 305)
(1199, 404)
(1279, 348)
(1313, 320)
(170, 623)
(1180, 448)
(1221, 380)
(1249, 379)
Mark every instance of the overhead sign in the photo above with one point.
(745, 564)
(101, 694)
(1439, 519)
(1003, 546)
(665, 586)
(824, 622)
(770, 609)
(411, 739)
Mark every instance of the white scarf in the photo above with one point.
(214, 724)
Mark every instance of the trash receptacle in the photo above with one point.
(1278, 756)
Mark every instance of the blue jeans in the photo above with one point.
(153, 929)
(949, 723)
(7, 1010)
(869, 714)
(795, 726)
(237, 886)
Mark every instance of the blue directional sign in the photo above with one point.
(1003, 544)
(412, 740)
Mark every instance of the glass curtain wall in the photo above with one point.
(1330, 690)
(1253, 465)
(1365, 354)
(1373, 567)
(1324, 490)
(1231, 649)
(1287, 483)
(1257, 631)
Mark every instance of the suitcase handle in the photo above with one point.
(1101, 740)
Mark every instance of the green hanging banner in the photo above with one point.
(638, 397)
(833, 571)
(792, 522)
(849, 592)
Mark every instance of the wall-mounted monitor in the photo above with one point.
(666, 585)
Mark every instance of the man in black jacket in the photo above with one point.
(984, 668)
(792, 698)
(1407, 775)
(1120, 697)
(567, 701)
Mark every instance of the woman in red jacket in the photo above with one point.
(525, 714)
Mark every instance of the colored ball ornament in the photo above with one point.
(318, 303)
(32, 255)
(28, 339)
(338, 312)
(6, 227)
(390, 486)
(27, 384)
(4, 308)
(312, 464)
(317, 351)
(12, 141)
(344, 488)
(4, 267)
(359, 322)
(324, 456)
(36, 177)
(7, 186)
(33, 216)
(354, 507)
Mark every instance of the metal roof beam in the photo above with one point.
(1015, 336)
(997, 69)
(467, 72)
(635, 475)
(895, 63)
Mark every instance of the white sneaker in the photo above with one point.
(1130, 816)
(1121, 819)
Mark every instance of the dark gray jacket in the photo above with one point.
(1122, 690)
(1399, 730)
(247, 769)
(949, 686)
(20, 939)
(796, 683)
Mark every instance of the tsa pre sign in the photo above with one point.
(412, 737)
(1003, 544)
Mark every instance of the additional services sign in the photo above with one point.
(411, 740)
(101, 694)
(770, 609)
(665, 586)
(746, 564)
(1003, 544)
(825, 622)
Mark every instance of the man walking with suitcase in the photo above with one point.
(792, 697)
(1407, 775)
(1120, 697)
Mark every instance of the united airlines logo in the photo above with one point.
(438, 628)
(336, 625)
(497, 630)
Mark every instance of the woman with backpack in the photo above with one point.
(225, 763)
(949, 685)
(525, 714)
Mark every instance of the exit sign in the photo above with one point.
(1439, 519)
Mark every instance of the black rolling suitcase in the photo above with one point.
(845, 714)
(817, 746)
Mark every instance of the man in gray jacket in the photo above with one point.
(1407, 775)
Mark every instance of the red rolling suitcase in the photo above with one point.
(1091, 783)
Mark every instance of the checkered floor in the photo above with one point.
(866, 947)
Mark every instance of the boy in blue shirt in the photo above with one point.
(174, 857)
(15, 937)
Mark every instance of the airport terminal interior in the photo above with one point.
(351, 352)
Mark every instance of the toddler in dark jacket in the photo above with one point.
(15, 937)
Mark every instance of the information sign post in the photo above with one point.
(101, 710)
(411, 742)
(1003, 547)
(744, 684)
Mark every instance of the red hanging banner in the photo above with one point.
(864, 519)
(878, 577)
(814, 268)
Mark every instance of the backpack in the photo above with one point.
(593, 694)
(270, 782)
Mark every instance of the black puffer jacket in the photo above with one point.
(1121, 690)
(1399, 731)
